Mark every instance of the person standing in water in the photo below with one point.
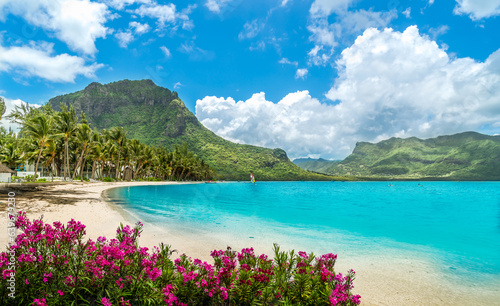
(252, 178)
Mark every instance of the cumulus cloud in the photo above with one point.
(37, 60)
(77, 23)
(326, 36)
(139, 28)
(10, 105)
(478, 9)
(215, 6)
(390, 84)
(167, 14)
(124, 38)
(301, 73)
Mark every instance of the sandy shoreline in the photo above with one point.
(390, 280)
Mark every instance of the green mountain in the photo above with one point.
(157, 116)
(316, 165)
(464, 156)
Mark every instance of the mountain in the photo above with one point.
(157, 116)
(315, 165)
(464, 156)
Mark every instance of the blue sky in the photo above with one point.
(312, 77)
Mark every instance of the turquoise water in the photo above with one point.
(456, 224)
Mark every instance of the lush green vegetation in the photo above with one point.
(61, 144)
(464, 156)
(316, 165)
(156, 116)
(54, 265)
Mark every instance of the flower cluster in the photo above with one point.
(56, 266)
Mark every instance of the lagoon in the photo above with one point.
(456, 225)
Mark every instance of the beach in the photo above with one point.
(393, 279)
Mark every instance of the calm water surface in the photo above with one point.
(456, 224)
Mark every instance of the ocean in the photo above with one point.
(456, 225)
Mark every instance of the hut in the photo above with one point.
(5, 173)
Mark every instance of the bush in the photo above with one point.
(78, 178)
(55, 266)
(107, 179)
(42, 180)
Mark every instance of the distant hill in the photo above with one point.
(316, 165)
(464, 156)
(157, 116)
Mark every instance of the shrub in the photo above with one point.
(107, 179)
(42, 180)
(55, 266)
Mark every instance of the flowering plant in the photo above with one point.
(56, 266)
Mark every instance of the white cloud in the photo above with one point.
(251, 29)
(215, 6)
(139, 28)
(166, 51)
(195, 53)
(284, 2)
(178, 85)
(478, 9)
(323, 8)
(407, 12)
(77, 23)
(438, 31)
(301, 73)
(167, 14)
(390, 84)
(325, 35)
(286, 61)
(124, 38)
(10, 104)
(260, 46)
(38, 60)
(121, 4)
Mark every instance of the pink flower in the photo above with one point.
(105, 302)
(40, 302)
(60, 292)
(26, 281)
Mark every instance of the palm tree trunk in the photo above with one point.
(118, 161)
(39, 156)
(66, 157)
(93, 169)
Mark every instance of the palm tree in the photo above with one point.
(84, 136)
(10, 155)
(2, 107)
(40, 129)
(66, 126)
(51, 150)
(119, 135)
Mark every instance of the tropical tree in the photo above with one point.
(119, 135)
(2, 107)
(84, 137)
(10, 155)
(66, 125)
(40, 129)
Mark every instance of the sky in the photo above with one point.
(312, 77)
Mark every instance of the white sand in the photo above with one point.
(391, 279)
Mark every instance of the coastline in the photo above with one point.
(392, 279)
